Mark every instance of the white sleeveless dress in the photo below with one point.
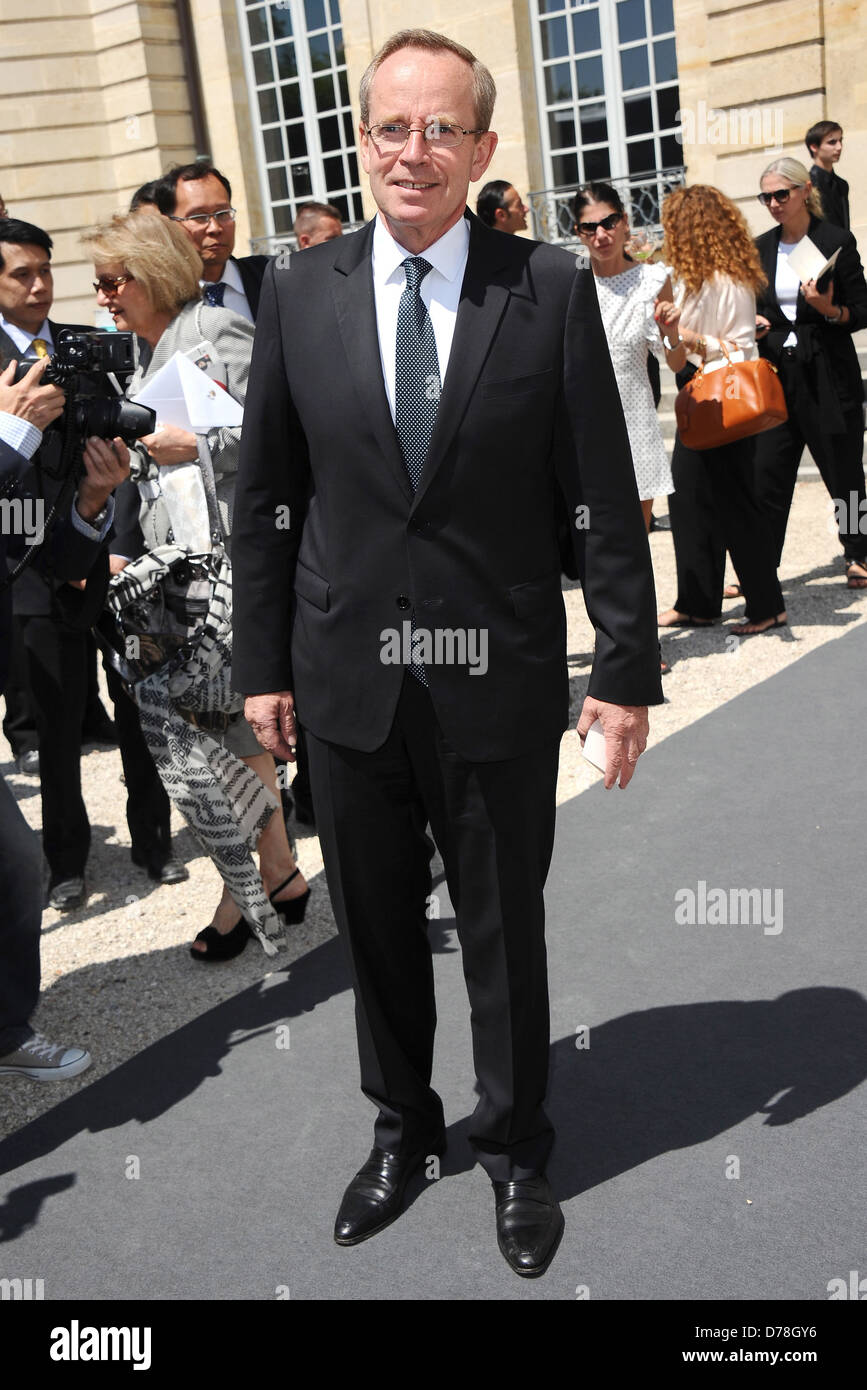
(626, 303)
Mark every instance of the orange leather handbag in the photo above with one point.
(729, 403)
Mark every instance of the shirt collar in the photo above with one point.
(231, 276)
(22, 339)
(447, 255)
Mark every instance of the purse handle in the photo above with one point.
(215, 521)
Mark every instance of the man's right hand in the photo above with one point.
(27, 399)
(272, 719)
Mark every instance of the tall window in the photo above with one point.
(607, 83)
(296, 74)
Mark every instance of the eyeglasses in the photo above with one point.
(201, 219)
(607, 224)
(779, 195)
(110, 283)
(393, 135)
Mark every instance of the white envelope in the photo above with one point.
(808, 262)
(183, 395)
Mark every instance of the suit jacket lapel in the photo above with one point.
(354, 304)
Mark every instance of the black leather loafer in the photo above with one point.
(375, 1197)
(529, 1225)
(161, 867)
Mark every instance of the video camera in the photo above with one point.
(82, 366)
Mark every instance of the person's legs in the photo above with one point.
(20, 920)
(746, 529)
(840, 460)
(699, 548)
(19, 721)
(775, 471)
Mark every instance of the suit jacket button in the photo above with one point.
(403, 601)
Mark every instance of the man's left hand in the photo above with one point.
(170, 444)
(626, 728)
(106, 464)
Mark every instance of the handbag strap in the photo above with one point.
(215, 521)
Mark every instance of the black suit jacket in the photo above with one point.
(529, 407)
(834, 193)
(826, 350)
(252, 270)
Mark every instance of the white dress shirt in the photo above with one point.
(17, 433)
(722, 308)
(24, 340)
(787, 286)
(233, 295)
(440, 291)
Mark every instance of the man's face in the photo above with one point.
(326, 229)
(26, 285)
(512, 217)
(421, 190)
(214, 241)
(830, 149)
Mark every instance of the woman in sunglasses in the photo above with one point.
(714, 506)
(628, 292)
(806, 331)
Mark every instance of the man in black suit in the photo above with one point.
(824, 140)
(451, 392)
(199, 197)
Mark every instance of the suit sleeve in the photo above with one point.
(270, 504)
(849, 285)
(597, 479)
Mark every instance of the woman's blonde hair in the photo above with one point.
(706, 233)
(794, 171)
(157, 252)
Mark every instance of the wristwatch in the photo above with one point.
(838, 318)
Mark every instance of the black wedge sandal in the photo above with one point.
(293, 909)
(222, 945)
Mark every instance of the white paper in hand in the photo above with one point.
(808, 262)
(594, 745)
(183, 395)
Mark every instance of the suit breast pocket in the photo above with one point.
(518, 386)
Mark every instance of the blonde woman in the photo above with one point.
(807, 333)
(147, 275)
(714, 506)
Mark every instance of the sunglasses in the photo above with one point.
(779, 195)
(110, 283)
(608, 224)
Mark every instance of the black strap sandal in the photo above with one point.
(222, 945)
(292, 911)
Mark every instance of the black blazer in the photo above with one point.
(834, 193)
(826, 350)
(529, 405)
(252, 269)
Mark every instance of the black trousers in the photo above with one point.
(714, 508)
(494, 826)
(148, 809)
(19, 721)
(20, 920)
(839, 458)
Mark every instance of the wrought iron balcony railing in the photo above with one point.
(642, 196)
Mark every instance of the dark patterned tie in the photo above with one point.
(213, 294)
(416, 385)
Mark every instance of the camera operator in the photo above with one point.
(70, 551)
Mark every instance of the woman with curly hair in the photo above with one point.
(714, 506)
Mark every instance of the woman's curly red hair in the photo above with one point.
(704, 233)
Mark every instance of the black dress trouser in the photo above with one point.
(839, 458)
(714, 508)
(494, 826)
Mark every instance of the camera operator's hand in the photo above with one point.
(170, 444)
(27, 399)
(106, 463)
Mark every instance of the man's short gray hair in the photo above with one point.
(484, 87)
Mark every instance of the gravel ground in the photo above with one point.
(117, 974)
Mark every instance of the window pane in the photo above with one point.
(296, 139)
(291, 95)
(662, 16)
(314, 11)
(283, 219)
(591, 83)
(268, 107)
(320, 53)
(262, 66)
(334, 175)
(348, 128)
(594, 126)
(668, 105)
(597, 165)
(558, 82)
(335, 12)
(273, 145)
(287, 65)
(551, 6)
(671, 151)
(343, 86)
(281, 22)
(665, 60)
(630, 20)
(638, 113)
(279, 184)
(561, 126)
(258, 26)
(301, 184)
(634, 67)
(642, 157)
(565, 169)
(329, 133)
(324, 88)
(555, 38)
(353, 167)
(585, 31)
(342, 206)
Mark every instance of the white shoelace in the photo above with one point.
(41, 1047)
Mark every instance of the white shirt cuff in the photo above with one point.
(19, 434)
(85, 527)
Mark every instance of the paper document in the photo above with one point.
(808, 262)
(183, 395)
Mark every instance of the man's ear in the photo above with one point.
(482, 154)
